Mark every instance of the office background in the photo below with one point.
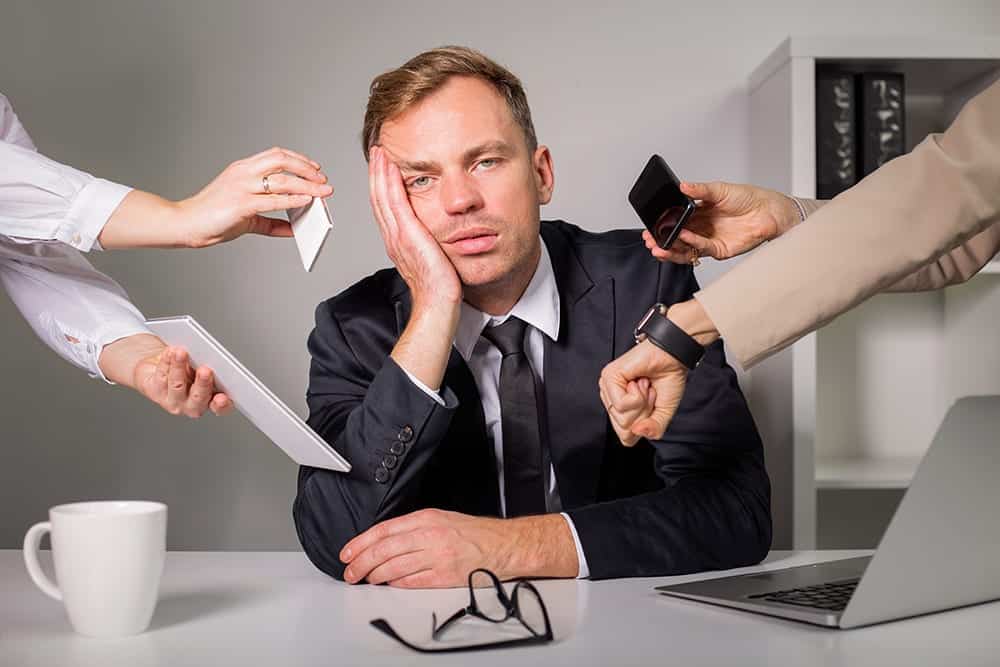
(163, 95)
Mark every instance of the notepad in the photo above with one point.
(310, 225)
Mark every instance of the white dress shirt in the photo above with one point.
(539, 308)
(48, 213)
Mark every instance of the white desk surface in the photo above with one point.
(248, 609)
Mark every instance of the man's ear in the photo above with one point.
(545, 179)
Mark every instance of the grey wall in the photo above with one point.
(161, 95)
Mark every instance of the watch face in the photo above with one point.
(645, 319)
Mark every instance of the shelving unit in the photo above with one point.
(855, 405)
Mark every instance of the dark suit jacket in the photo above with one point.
(697, 499)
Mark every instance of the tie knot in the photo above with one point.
(508, 337)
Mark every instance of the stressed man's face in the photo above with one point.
(472, 180)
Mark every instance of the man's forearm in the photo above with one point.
(540, 546)
(425, 345)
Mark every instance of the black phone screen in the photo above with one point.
(657, 198)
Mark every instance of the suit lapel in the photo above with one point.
(577, 421)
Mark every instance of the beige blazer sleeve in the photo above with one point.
(954, 267)
(923, 219)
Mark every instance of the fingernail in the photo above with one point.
(348, 575)
(346, 556)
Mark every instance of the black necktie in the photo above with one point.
(524, 485)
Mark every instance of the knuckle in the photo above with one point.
(380, 532)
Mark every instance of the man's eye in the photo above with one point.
(488, 163)
(420, 182)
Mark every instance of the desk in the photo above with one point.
(249, 609)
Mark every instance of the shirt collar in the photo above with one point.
(538, 306)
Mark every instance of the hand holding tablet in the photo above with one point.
(257, 403)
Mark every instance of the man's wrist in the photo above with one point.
(542, 546)
(423, 349)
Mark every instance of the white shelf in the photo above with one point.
(979, 54)
(865, 473)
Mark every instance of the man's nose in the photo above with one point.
(460, 194)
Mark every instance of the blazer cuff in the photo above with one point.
(409, 424)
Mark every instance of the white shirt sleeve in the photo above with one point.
(74, 308)
(581, 558)
(436, 395)
(43, 200)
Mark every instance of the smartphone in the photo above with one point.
(657, 198)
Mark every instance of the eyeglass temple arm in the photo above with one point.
(438, 630)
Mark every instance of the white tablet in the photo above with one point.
(257, 403)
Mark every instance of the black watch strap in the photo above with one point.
(669, 337)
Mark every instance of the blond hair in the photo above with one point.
(395, 91)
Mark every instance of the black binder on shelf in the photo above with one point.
(881, 113)
(837, 163)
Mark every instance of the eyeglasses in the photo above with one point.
(490, 602)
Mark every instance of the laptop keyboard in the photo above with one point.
(830, 597)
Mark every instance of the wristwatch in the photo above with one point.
(669, 337)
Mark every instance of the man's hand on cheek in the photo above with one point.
(427, 549)
(411, 247)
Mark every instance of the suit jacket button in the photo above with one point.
(397, 448)
(389, 461)
(406, 434)
(381, 475)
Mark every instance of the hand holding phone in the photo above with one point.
(657, 198)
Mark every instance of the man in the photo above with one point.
(420, 379)
(923, 221)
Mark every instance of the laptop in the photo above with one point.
(940, 551)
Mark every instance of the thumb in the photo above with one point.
(711, 192)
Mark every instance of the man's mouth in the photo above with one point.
(472, 241)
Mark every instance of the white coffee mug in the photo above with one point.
(108, 559)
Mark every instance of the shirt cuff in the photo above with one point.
(90, 211)
(584, 571)
(436, 395)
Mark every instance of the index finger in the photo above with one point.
(377, 533)
(272, 163)
(301, 156)
(281, 149)
(399, 202)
